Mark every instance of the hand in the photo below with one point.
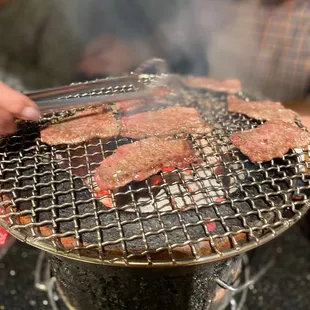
(107, 55)
(14, 105)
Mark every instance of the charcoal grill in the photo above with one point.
(206, 213)
(202, 214)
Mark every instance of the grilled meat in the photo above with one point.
(159, 99)
(141, 159)
(82, 127)
(83, 163)
(261, 110)
(162, 91)
(130, 106)
(270, 140)
(230, 86)
(165, 122)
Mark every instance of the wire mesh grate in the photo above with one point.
(225, 206)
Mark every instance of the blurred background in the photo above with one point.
(264, 43)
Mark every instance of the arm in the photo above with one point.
(53, 46)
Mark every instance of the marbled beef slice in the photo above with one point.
(141, 159)
(82, 127)
(270, 140)
(230, 86)
(261, 110)
(166, 122)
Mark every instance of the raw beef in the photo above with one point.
(270, 140)
(130, 106)
(141, 159)
(82, 127)
(230, 86)
(165, 122)
(261, 110)
(159, 98)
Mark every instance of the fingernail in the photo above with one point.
(30, 113)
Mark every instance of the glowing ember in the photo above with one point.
(4, 209)
(68, 242)
(45, 231)
(2, 212)
(211, 226)
(167, 169)
(3, 235)
(106, 201)
(101, 192)
(25, 219)
(156, 179)
(218, 200)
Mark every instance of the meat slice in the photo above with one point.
(165, 122)
(141, 159)
(162, 92)
(230, 86)
(261, 110)
(160, 98)
(82, 127)
(130, 106)
(270, 140)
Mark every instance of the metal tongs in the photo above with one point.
(92, 93)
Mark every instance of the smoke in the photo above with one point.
(231, 48)
(219, 38)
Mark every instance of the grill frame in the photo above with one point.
(201, 248)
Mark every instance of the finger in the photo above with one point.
(7, 124)
(17, 104)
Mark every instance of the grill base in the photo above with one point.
(305, 225)
(64, 298)
(88, 286)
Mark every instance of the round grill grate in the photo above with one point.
(223, 207)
